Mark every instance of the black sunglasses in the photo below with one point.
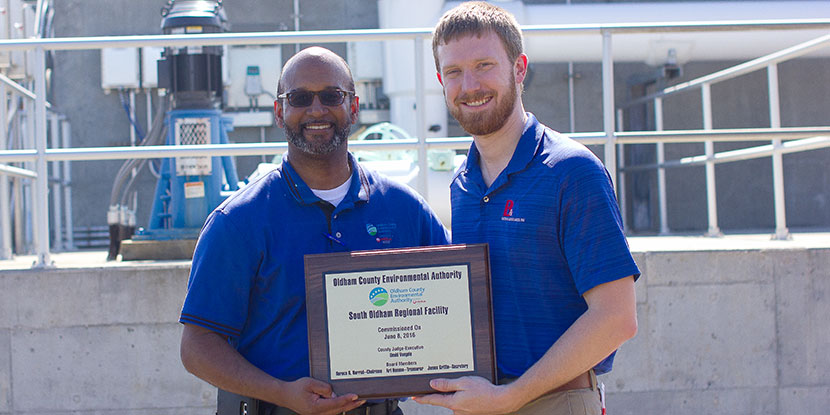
(328, 97)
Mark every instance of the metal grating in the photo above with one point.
(193, 131)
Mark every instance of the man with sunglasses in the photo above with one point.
(562, 274)
(244, 315)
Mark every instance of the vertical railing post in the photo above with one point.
(709, 147)
(621, 176)
(661, 171)
(608, 106)
(66, 138)
(41, 205)
(57, 202)
(27, 138)
(5, 202)
(420, 117)
(781, 231)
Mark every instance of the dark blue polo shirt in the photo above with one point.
(555, 232)
(247, 280)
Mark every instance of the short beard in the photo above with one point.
(484, 123)
(295, 137)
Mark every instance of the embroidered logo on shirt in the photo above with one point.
(508, 208)
(383, 232)
(508, 213)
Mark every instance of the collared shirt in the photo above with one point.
(247, 279)
(555, 232)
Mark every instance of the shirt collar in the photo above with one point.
(526, 149)
(358, 190)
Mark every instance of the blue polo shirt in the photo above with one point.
(247, 280)
(555, 232)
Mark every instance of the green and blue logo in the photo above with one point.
(378, 296)
(371, 229)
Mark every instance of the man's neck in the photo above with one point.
(496, 149)
(321, 172)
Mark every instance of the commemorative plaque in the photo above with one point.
(383, 323)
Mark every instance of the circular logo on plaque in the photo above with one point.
(379, 296)
(372, 230)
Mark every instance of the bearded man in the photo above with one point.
(244, 315)
(562, 274)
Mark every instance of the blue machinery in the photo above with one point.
(188, 188)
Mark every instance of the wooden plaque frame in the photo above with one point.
(481, 314)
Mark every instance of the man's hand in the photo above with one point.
(471, 395)
(309, 396)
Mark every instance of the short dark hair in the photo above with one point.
(477, 18)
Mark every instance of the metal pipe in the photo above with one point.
(456, 143)
(571, 106)
(41, 205)
(621, 153)
(608, 106)
(19, 88)
(787, 147)
(296, 23)
(741, 69)
(661, 172)
(134, 171)
(57, 214)
(781, 231)
(709, 149)
(27, 137)
(420, 117)
(330, 36)
(19, 220)
(66, 131)
(5, 207)
(6, 170)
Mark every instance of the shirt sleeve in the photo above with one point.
(591, 228)
(221, 276)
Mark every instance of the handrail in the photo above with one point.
(454, 143)
(608, 137)
(738, 70)
(17, 172)
(328, 36)
(812, 143)
(20, 89)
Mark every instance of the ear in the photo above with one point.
(278, 114)
(521, 68)
(440, 81)
(354, 109)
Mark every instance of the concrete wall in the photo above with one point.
(720, 332)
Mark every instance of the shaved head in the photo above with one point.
(315, 55)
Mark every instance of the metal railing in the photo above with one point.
(775, 150)
(609, 137)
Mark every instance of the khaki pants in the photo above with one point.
(584, 401)
(572, 402)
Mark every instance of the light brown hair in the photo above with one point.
(477, 18)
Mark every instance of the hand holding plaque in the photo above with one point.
(383, 323)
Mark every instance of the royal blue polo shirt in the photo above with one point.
(247, 279)
(555, 232)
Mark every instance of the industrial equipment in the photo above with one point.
(188, 188)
